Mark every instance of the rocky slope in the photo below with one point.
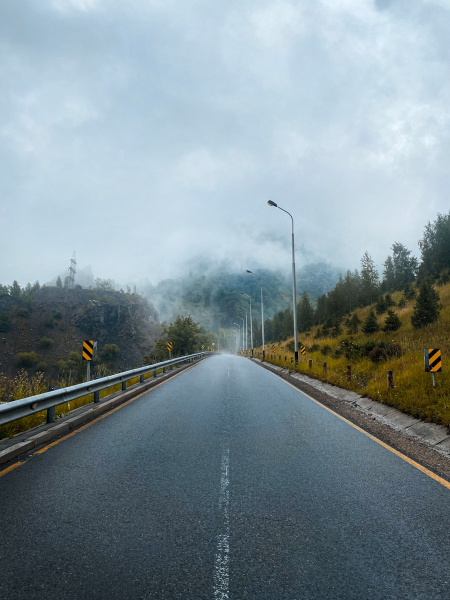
(53, 322)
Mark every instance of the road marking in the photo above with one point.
(412, 462)
(69, 435)
(222, 560)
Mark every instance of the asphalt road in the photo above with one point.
(222, 483)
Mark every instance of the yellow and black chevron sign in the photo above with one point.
(433, 360)
(169, 346)
(88, 349)
(302, 350)
(273, 350)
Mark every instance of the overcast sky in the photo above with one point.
(144, 133)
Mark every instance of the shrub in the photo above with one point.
(336, 331)
(48, 322)
(377, 354)
(25, 359)
(394, 351)
(46, 342)
(314, 348)
(350, 349)
(110, 352)
(23, 312)
(5, 322)
(42, 366)
(326, 350)
(57, 315)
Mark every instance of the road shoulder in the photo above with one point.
(426, 443)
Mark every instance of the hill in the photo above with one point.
(42, 329)
(342, 342)
(212, 295)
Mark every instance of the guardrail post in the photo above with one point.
(141, 379)
(124, 386)
(164, 369)
(96, 397)
(154, 373)
(51, 414)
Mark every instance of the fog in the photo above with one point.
(146, 135)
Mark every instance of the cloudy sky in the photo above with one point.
(142, 134)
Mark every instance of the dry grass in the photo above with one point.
(413, 390)
(25, 385)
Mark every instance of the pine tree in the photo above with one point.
(371, 324)
(370, 280)
(305, 313)
(435, 247)
(59, 282)
(427, 307)
(392, 322)
(353, 324)
(381, 305)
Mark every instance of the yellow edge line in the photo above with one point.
(99, 418)
(412, 462)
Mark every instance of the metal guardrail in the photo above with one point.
(17, 409)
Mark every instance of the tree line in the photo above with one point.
(357, 289)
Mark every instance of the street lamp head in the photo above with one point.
(272, 203)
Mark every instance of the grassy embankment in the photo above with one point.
(24, 386)
(413, 391)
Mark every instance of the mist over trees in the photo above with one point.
(356, 289)
(217, 299)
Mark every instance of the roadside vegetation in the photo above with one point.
(371, 355)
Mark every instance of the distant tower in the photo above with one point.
(72, 271)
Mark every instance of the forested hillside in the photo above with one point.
(356, 289)
(213, 296)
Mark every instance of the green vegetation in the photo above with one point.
(25, 359)
(5, 322)
(427, 308)
(109, 353)
(371, 355)
(46, 342)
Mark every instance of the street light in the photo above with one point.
(271, 203)
(262, 313)
(238, 317)
(246, 330)
(239, 334)
(251, 324)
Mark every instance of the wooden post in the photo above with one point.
(310, 363)
(349, 372)
(324, 368)
(390, 380)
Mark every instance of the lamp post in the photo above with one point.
(251, 324)
(238, 317)
(271, 203)
(239, 334)
(262, 313)
(246, 329)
